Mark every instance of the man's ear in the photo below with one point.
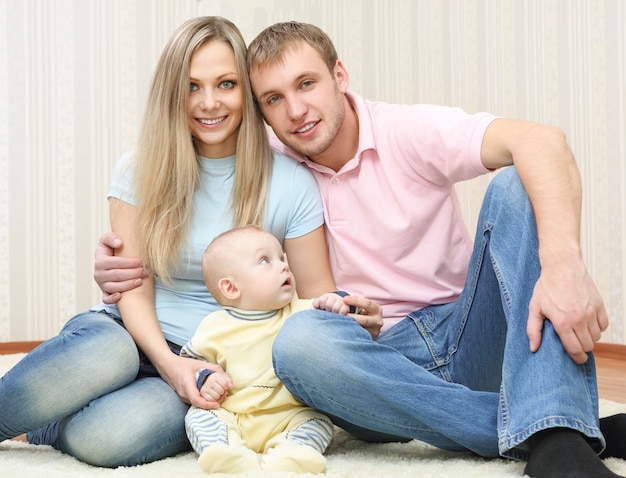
(228, 288)
(341, 76)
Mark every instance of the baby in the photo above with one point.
(246, 270)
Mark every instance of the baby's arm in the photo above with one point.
(214, 386)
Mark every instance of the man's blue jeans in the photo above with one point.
(459, 376)
(83, 393)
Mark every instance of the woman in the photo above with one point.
(111, 389)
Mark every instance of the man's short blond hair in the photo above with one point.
(269, 47)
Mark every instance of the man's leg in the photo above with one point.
(547, 401)
(372, 389)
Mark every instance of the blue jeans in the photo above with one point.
(87, 393)
(459, 376)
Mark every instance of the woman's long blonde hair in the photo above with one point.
(167, 167)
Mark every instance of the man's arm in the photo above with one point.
(564, 293)
(115, 274)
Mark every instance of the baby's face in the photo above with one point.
(264, 277)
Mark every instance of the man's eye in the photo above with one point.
(307, 83)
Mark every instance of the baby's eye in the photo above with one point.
(264, 260)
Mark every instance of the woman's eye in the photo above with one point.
(193, 87)
(227, 85)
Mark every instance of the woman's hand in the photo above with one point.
(180, 374)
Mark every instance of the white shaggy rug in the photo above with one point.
(347, 458)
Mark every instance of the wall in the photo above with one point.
(74, 75)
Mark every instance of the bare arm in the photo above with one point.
(139, 315)
(308, 260)
(564, 293)
(115, 274)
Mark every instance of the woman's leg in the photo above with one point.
(90, 357)
(79, 392)
(139, 423)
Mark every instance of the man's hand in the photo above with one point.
(567, 297)
(115, 274)
(369, 316)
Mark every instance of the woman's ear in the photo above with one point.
(228, 288)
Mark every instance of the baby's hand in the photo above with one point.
(331, 302)
(216, 386)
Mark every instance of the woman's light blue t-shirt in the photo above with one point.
(294, 208)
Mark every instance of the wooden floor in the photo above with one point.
(611, 378)
(610, 365)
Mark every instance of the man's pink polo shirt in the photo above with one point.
(394, 227)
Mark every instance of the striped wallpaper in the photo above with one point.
(74, 75)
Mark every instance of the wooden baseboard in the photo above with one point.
(615, 351)
(17, 347)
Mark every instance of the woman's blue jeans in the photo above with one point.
(85, 393)
(459, 376)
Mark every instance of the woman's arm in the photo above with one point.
(115, 274)
(308, 260)
(139, 315)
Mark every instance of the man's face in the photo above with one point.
(301, 100)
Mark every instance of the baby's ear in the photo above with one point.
(229, 289)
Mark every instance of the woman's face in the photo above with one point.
(215, 100)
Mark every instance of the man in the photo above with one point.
(485, 349)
